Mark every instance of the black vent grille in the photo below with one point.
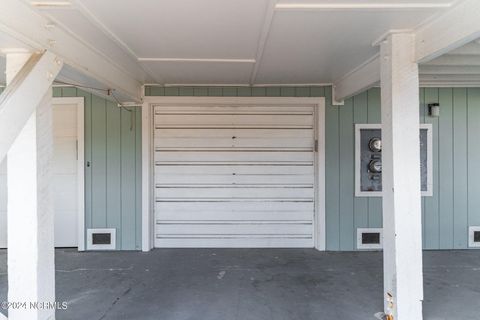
(371, 238)
(101, 238)
(476, 236)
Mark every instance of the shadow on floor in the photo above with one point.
(250, 284)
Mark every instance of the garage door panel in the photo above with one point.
(234, 176)
(228, 157)
(226, 216)
(165, 208)
(233, 109)
(228, 192)
(229, 179)
(235, 242)
(233, 229)
(233, 121)
(231, 143)
(164, 171)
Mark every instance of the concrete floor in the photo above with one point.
(250, 284)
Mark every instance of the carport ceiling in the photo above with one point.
(242, 42)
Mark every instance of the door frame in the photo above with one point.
(150, 102)
(80, 103)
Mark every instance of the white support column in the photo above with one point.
(31, 266)
(402, 231)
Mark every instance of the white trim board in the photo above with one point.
(147, 161)
(471, 234)
(80, 163)
(360, 126)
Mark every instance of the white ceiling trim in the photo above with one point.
(197, 60)
(362, 6)
(441, 69)
(449, 31)
(98, 23)
(33, 29)
(57, 24)
(363, 77)
(270, 12)
(109, 33)
(259, 85)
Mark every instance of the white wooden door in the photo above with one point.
(234, 176)
(65, 175)
(64, 178)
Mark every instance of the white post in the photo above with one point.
(31, 266)
(402, 232)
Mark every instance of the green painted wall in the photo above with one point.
(456, 155)
(113, 180)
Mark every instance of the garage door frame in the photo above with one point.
(148, 154)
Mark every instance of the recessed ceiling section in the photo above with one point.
(222, 29)
(322, 46)
(199, 73)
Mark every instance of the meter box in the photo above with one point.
(368, 160)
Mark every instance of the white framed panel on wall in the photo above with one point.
(220, 134)
(368, 137)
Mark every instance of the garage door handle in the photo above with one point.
(88, 164)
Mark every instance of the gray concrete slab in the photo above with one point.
(250, 284)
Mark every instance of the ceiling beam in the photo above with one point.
(20, 21)
(451, 30)
(23, 94)
(354, 5)
(440, 69)
(364, 77)
(267, 23)
(455, 60)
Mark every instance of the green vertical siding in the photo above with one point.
(113, 180)
(456, 153)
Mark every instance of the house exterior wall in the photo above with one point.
(113, 179)
(455, 203)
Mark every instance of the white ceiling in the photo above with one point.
(241, 42)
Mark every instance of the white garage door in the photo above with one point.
(234, 176)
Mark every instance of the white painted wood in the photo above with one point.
(448, 31)
(197, 188)
(365, 5)
(471, 234)
(360, 193)
(3, 204)
(67, 175)
(267, 22)
(235, 148)
(69, 224)
(147, 172)
(360, 79)
(402, 224)
(320, 231)
(369, 246)
(31, 265)
(261, 241)
(29, 84)
(32, 31)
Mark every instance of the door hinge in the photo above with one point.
(315, 146)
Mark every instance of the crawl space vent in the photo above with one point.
(369, 238)
(101, 239)
(474, 237)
